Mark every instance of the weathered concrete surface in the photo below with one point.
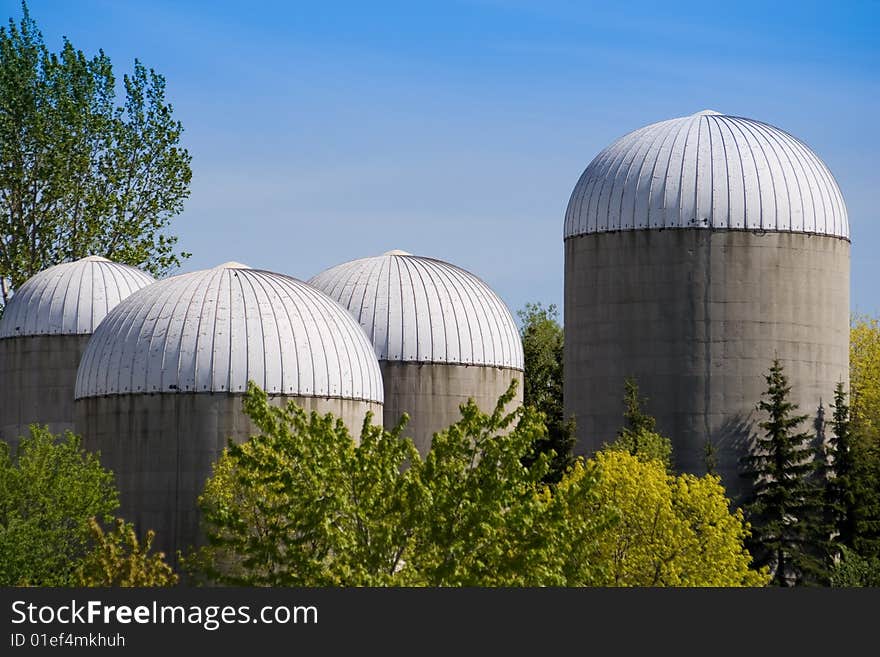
(161, 449)
(431, 394)
(697, 316)
(37, 381)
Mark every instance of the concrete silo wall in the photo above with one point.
(431, 394)
(161, 449)
(697, 316)
(37, 381)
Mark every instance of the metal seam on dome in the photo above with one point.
(415, 303)
(727, 178)
(711, 212)
(634, 152)
(744, 126)
(757, 130)
(647, 197)
(446, 300)
(466, 303)
(479, 290)
(432, 343)
(612, 171)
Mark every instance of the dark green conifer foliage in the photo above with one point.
(841, 480)
(638, 436)
(785, 506)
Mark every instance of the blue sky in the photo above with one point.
(326, 131)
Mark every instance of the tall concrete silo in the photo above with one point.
(43, 332)
(159, 390)
(697, 250)
(440, 333)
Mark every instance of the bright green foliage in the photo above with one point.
(864, 373)
(48, 494)
(485, 519)
(579, 519)
(301, 504)
(671, 531)
(785, 505)
(542, 339)
(118, 558)
(638, 436)
(82, 176)
(853, 570)
(865, 426)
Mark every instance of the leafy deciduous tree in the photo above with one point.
(864, 363)
(118, 558)
(49, 491)
(485, 519)
(638, 436)
(301, 504)
(80, 175)
(672, 530)
(542, 339)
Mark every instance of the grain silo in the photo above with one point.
(159, 390)
(43, 332)
(440, 333)
(697, 250)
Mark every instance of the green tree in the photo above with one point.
(638, 436)
(118, 558)
(486, 520)
(80, 175)
(841, 477)
(542, 339)
(852, 487)
(865, 428)
(785, 506)
(671, 530)
(864, 365)
(301, 504)
(49, 491)
(853, 570)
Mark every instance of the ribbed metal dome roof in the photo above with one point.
(421, 309)
(707, 170)
(215, 329)
(71, 298)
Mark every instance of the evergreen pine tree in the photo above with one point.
(639, 436)
(841, 482)
(543, 341)
(785, 506)
(636, 419)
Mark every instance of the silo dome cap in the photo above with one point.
(707, 170)
(216, 329)
(425, 310)
(71, 298)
